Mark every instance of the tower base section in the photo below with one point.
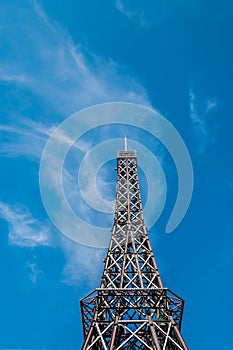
(127, 319)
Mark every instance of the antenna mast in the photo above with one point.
(126, 142)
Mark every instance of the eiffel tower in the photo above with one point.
(131, 310)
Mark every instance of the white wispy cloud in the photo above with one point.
(34, 271)
(62, 75)
(24, 229)
(43, 66)
(83, 264)
(28, 138)
(20, 78)
(199, 113)
(149, 13)
(123, 9)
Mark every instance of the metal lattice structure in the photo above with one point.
(131, 310)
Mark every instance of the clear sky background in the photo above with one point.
(57, 57)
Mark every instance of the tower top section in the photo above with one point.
(126, 153)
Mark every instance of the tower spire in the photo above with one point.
(126, 142)
(131, 309)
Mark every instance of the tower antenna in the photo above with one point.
(126, 142)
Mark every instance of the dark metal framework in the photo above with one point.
(131, 309)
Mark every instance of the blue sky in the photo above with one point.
(58, 57)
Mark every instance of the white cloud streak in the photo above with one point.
(83, 264)
(34, 271)
(28, 138)
(149, 13)
(199, 113)
(62, 75)
(123, 9)
(45, 66)
(24, 229)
